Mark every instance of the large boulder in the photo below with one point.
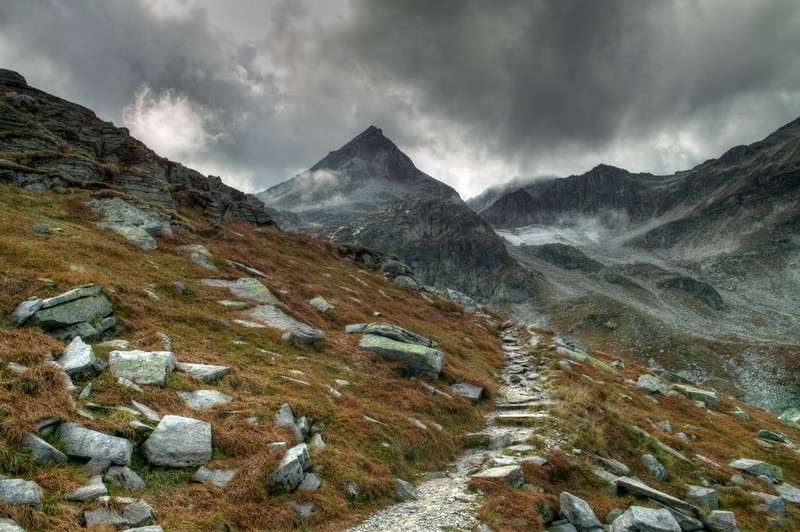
(142, 367)
(80, 304)
(179, 442)
(418, 359)
(638, 519)
(80, 442)
(758, 468)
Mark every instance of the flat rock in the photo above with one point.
(78, 292)
(207, 373)
(702, 497)
(639, 519)
(142, 367)
(205, 399)
(217, 477)
(404, 490)
(320, 304)
(720, 521)
(104, 515)
(398, 334)
(276, 318)
(758, 468)
(627, 484)
(78, 359)
(471, 392)
(86, 309)
(9, 525)
(25, 310)
(42, 452)
(125, 478)
(18, 492)
(245, 269)
(305, 335)
(511, 475)
(179, 442)
(288, 475)
(707, 397)
(201, 260)
(246, 288)
(769, 435)
(195, 248)
(81, 442)
(578, 512)
(94, 489)
(310, 482)
(789, 493)
(418, 359)
(790, 417)
(771, 503)
(355, 328)
(132, 214)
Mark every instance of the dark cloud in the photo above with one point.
(474, 91)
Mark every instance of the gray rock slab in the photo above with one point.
(86, 309)
(305, 335)
(42, 452)
(288, 475)
(398, 334)
(78, 292)
(709, 398)
(138, 513)
(179, 442)
(471, 392)
(789, 493)
(703, 497)
(246, 288)
(104, 516)
(201, 260)
(687, 524)
(404, 490)
(94, 489)
(142, 367)
(245, 269)
(355, 328)
(771, 503)
(511, 475)
(78, 359)
(132, 213)
(275, 317)
(627, 484)
(18, 492)
(80, 442)
(149, 528)
(217, 477)
(757, 468)
(417, 358)
(25, 310)
(316, 444)
(149, 414)
(639, 519)
(124, 477)
(769, 435)
(720, 521)
(655, 468)
(651, 384)
(9, 525)
(578, 512)
(135, 235)
(205, 399)
(320, 304)
(195, 248)
(300, 452)
(310, 482)
(207, 373)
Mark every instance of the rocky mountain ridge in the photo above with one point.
(47, 142)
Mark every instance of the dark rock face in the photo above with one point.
(367, 174)
(566, 257)
(50, 142)
(445, 243)
(703, 292)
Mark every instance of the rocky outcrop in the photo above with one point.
(445, 244)
(49, 142)
(81, 311)
(565, 257)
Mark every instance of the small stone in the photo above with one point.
(355, 328)
(138, 513)
(179, 442)
(200, 260)
(207, 373)
(182, 289)
(651, 384)
(104, 516)
(125, 478)
(639, 519)
(565, 366)
(148, 413)
(740, 414)
(218, 477)
(316, 444)
(25, 310)
(352, 489)
(320, 304)
(471, 392)
(18, 492)
(310, 482)
(205, 399)
(305, 509)
(702, 497)
(278, 446)
(90, 492)
(771, 436)
(771, 503)
(578, 512)
(81, 442)
(511, 475)
(78, 359)
(42, 452)
(720, 521)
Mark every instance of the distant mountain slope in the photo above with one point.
(367, 174)
(488, 197)
(371, 193)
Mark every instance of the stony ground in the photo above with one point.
(444, 501)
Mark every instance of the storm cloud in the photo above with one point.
(476, 92)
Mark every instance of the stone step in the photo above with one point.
(521, 418)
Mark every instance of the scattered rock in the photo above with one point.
(89, 492)
(305, 509)
(104, 516)
(78, 359)
(769, 435)
(771, 503)
(148, 413)
(702, 497)
(179, 442)
(18, 492)
(218, 477)
(789, 494)
(310, 482)
(9, 525)
(182, 289)
(638, 519)
(289, 473)
(651, 384)
(404, 490)
(626, 484)
(245, 269)
(398, 334)
(305, 335)
(406, 283)
(125, 478)
(207, 373)
(471, 392)
(757, 468)
(142, 367)
(565, 366)
(42, 452)
(316, 444)
(654, 467)
(790, 417)
(707, 397)
(420, 360)
(320, 304)
(355, 328)
(578, 512)
(201, 260)
(740, 414)
(25, 310)
(352, 489)
(511, 475)
(205, 399)
(81, 442)
(246, 288)
(720, 521)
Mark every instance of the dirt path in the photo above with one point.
(442, 502)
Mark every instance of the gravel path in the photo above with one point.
(442, 502)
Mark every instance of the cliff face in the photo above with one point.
(365, 175)
(445, 243)
(46, 142)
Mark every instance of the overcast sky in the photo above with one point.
(476, 92)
